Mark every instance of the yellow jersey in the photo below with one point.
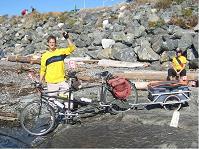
(52, 64)
(176, 64)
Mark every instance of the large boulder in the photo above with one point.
(193, 64)
(191, 54)
(126, 54)
(195, 42)
(186, 41)
(118, 36)
(157, 43)
(167, 56)
(107, 43)
(104, 53)
(169, 44)
(146, 53)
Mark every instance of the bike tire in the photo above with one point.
(37, 118)
(170, 106)
(118, 106)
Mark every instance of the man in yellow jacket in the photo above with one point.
(52, 64)
(178, 66)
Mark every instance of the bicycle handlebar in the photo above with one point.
(37, 85)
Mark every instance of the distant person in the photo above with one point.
(177, 71)
(33, 9)
(24, 12)
(52, 68)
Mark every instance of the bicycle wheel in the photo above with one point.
(172, 103)
(37, 118)
(117, 106)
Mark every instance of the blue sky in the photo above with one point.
(14, 7)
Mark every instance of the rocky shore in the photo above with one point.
(152, 123)
(133, 32)
(137, 31)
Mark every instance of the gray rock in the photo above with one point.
(93, 54)
(186, 41)
(118, 28)
(129, 39)
(118, 36)
(107, 43)
(193, 64)
(97, 37)
(167, 56)
(80, 43)
(146, 53)
(126, 54)
(104, 53)
(191, 54)
(80, 52)
(160, 31)
(157, 43)
(170, 44)
(196, 28)
(195, 42)
(2, 53)
(140, 31)
(119, 45)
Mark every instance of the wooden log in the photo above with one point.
(8, 114)
(33, 59)
(152, 75)
(141, 85)
(86, 78)
(24, 59)
(4, 118)
(81, 59)
(113, 63)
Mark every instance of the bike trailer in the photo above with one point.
(162, 91)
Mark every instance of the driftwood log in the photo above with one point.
(24, 59)
(113, 63)
(6, 116)
(36, 60)
(152, 75)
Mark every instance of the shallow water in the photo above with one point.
(122, 135)
(15, 137)
(102, 132)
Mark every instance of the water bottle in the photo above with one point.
(86, 99)
(59, 104)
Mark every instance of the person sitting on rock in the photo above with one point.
(177, 71)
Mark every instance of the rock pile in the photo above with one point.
(126, 32)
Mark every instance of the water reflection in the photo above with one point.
(13, 138)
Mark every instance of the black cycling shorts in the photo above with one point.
(172, 72)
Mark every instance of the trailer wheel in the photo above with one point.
(171, 103)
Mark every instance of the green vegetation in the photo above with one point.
(66, 17)
(2, 19)
(163, 4)
(184, 22)
(178, 1)
(187, 12)
(156, 24)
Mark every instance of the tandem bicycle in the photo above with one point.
(41, 116)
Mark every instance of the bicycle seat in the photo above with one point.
(103, 74)
(72, 74)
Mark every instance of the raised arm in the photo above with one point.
(71, 46)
